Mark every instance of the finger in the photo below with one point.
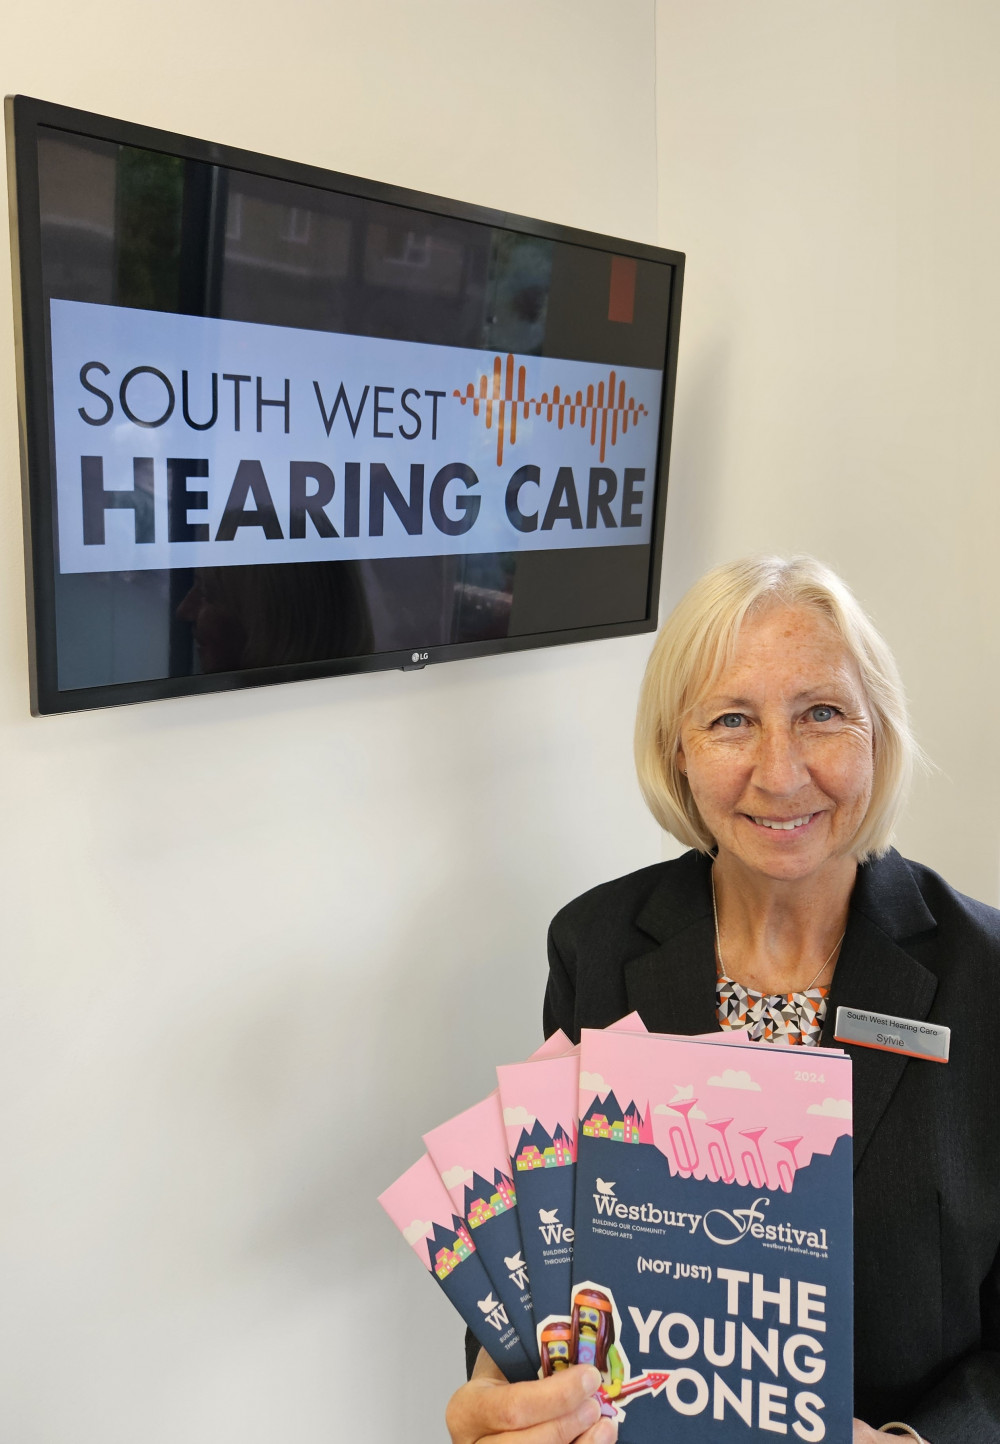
(567, 1429)
(521, 1406)
(605, 1431)
(577, 1425)
(489, 1407)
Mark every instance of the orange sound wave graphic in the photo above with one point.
(605, 402)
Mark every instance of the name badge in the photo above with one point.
(893, 1035)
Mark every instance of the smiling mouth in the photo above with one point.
(777, 825)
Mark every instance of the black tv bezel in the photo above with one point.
(23, 116)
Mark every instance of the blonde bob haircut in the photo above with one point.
(696, 643)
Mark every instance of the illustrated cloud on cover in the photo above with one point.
(418, 1229)
(457, 1176)
(832, 1108)
(518, 1118)
(733, 1078)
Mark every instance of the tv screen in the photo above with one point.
(283, 423)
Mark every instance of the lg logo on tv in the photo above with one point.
(418, 656)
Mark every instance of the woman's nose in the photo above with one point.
(779, 766)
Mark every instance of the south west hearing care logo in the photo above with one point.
(601, 409)
(723, 1226)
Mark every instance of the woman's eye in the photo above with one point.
(731, 720)
(822, 713)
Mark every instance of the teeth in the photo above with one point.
(783, 826)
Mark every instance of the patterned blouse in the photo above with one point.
(772, 1017)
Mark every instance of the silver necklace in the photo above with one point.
(718, 944)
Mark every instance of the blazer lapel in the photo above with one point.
(875, 974)
(672, 986)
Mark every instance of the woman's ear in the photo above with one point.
(681, 761)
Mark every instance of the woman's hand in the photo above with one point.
(558, 1410)
(865, 1434)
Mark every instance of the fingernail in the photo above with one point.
(591, 1379)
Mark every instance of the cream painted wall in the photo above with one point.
(831, 170)
(253, 945)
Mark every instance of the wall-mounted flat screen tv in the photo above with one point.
(282, 423)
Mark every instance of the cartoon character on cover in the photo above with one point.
(593, 1341)
(556, 1342)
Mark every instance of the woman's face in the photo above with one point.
(779, 754)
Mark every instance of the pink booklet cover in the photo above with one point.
(802, 1097)
(539, 1100)
(470, 1153)
(419, 1205)
(433, 1219)
(556, 1044)
(540, 1115)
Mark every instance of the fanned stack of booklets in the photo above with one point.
(676, 1211)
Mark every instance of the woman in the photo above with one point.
(772, 737)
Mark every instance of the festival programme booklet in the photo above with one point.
(418, 1198)
(556, 1044)
(713, 1248)
(470, 1154)
(419, 1205)
(540, 1104)
(539, 1101)
(475, 1143)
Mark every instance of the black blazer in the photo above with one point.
(926, 1135)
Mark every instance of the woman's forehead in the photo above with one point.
(791, 652)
